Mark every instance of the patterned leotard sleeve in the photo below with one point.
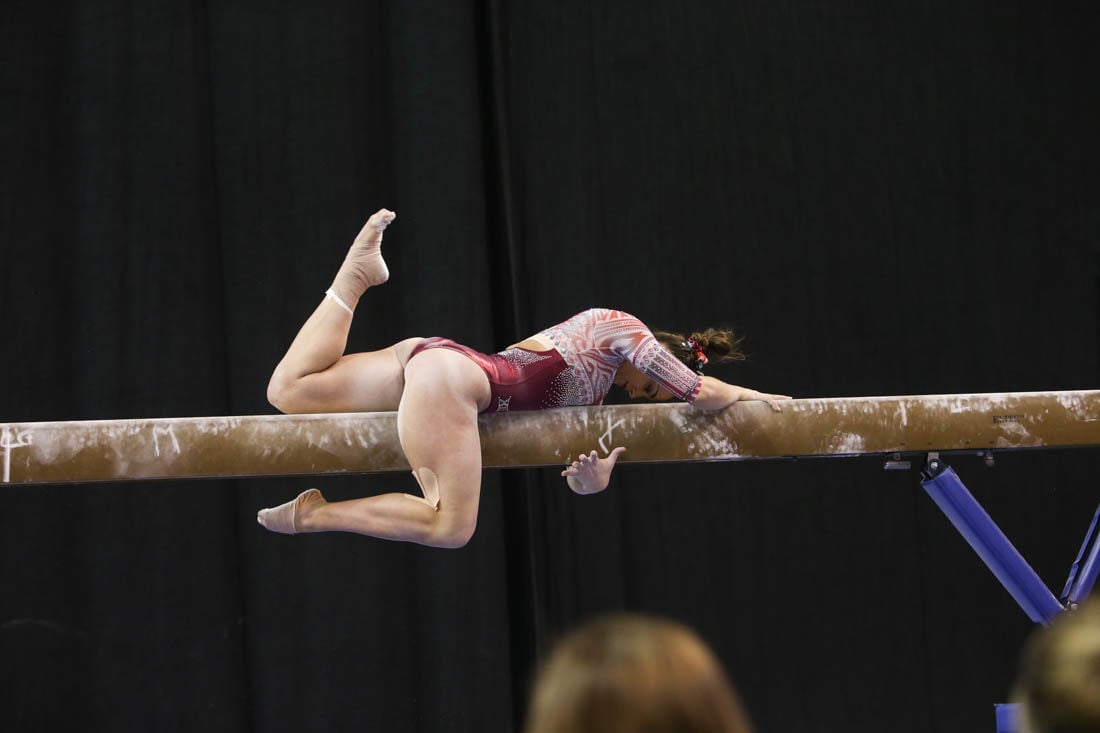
(597, 341)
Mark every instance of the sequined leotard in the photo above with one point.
(588, 349)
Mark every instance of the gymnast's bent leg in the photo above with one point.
(437, 425)
(315, 375)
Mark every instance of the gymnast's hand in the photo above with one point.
(590, 474)
(714, 394)
(752, 395)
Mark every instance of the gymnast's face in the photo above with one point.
(638, 385)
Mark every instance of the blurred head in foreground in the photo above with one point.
(1058, 685)
(634, 674)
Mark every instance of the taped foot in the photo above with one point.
(286, 518)
(364, 266)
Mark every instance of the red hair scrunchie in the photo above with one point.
(700, 355)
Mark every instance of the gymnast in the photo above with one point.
(439, 388)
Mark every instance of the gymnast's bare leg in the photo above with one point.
(437, 395)
(315, 375)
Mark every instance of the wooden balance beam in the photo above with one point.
(285, 445)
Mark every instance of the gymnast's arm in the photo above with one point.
(590, 474)
(714, 394)
(637, 345)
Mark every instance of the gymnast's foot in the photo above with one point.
(364, 267)
(290, 518)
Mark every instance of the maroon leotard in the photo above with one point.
(588, 350)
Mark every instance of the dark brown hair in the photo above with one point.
(718, 344)
(634, 674)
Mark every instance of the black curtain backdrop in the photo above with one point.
(884, 197)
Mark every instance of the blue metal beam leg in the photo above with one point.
(1018, 578)
(1082, 577)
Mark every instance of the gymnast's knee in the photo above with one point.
(453, 533)
(278, 395)
(453, 523)
(283, 393)
(291, 396)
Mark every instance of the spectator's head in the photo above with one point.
(634, 674)
(1058, 684)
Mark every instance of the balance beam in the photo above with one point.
(286, 445)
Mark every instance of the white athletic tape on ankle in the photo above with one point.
(336, 298)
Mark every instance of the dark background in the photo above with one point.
(884, 197)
